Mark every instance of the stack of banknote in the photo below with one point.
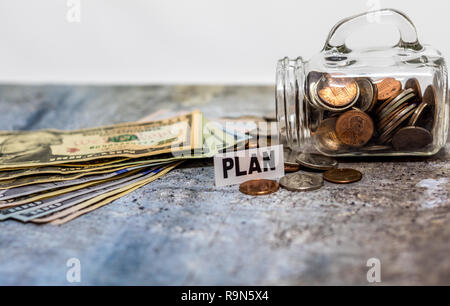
(53, 176)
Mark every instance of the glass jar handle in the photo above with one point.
(340, 32)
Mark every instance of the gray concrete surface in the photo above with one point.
(182, 230)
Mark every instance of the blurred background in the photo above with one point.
(188, 42)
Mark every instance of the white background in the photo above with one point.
(184, 41)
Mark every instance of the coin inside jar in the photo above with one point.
(301, 182)
(388, 88)
(337, 91)
(326, 138)
(411, 138)
(403, 97)
(312, 78)
(367, 95)
(396, 122)
(259, 187)
(342, 176)
(417, 113)
(316, 161)
(429, 97)
(415, 86)
(354, 128)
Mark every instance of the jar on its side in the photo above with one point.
(371, 102)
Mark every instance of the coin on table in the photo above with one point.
(316, 161)
(325, 136)
(259, 187)
(354, 128)
(301, 181)
(415, 86)
(411, 138)
(342, 176)
(337, 91)
(367, 96)
(288, 168)
(388, 88)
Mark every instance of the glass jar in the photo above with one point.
(383, 101)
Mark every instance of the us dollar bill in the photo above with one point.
(53, 193)
(73, 212)
(36, 188)
(78, 194)
(215, 138)
(51, 147)
(55, 206)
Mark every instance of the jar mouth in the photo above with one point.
(291, 109)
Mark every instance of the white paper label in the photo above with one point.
(237, 167)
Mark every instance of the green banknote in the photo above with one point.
(51, 147)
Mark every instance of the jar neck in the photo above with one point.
(291, 107)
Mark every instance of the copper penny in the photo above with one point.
(388, 87)
(259, 187)
(342, 176)
(367, 95)
(429, 96)
(417, 113)
(429, 119)
(288, 168)
(337, 91)
(354, 128)
(414, 85)
(411, 138)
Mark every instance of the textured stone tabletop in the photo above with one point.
(182, 230)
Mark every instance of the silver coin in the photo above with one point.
(316, 161)
(301, 181)
(366, 98)
(290, 157)
(402, 97)
(390, 109)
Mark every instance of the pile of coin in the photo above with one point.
(303, 180)
(363, 115)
